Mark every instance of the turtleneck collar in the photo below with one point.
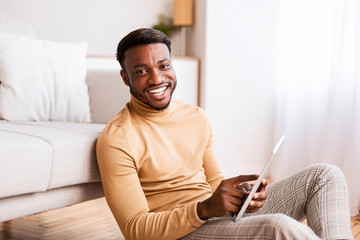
(146, 111)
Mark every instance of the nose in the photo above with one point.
(156, 77)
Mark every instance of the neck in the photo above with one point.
(146, 110)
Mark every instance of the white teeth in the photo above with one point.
(157, 90)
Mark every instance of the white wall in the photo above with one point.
(234, 40)
(196, 41)
(237, 82)
(101, 23)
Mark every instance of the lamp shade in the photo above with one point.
(183, 12)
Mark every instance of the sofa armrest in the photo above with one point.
(108, 94)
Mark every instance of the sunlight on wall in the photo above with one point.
(238, 92)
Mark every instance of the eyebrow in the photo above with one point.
(140, 65)
(145, 65)
(163, 60)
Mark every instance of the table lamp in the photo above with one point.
(183, 17)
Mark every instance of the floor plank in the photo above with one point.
(90, 220)
(355, 227)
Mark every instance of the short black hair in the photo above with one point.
(138, 37)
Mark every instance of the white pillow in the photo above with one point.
(42, 80)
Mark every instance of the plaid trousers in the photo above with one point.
(318, 193)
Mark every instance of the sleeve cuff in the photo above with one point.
(193, 217)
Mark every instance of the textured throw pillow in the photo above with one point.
(42, 80)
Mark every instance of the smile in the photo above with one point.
(158, 91)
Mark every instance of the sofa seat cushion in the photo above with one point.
(73, 158)
(25, 164)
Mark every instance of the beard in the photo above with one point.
(143, 99)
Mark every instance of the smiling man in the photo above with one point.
(162, 181)
(149, 74)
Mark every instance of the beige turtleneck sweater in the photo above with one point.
(155, 167)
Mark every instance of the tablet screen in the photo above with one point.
(258, 181)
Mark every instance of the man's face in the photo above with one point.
(149, 74)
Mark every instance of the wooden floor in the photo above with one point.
(355, 226)
(90, 220)
(86, 221)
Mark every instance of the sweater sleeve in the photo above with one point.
(128, 203)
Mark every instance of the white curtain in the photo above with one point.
(318, 88)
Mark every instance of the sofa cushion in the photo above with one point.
(42, 80)
(73, 149)
(25, 163)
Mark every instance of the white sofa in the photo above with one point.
(48, 165)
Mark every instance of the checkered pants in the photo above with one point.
(318, 193)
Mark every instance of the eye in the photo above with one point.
(140, 71)
(165, 66)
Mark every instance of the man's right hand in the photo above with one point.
(229, 197)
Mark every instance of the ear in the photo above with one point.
(124, 77)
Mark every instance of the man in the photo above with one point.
(162, 181)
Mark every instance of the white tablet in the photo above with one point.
(258, 181)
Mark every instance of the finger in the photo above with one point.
(239, 194)
(237, 197)
(262, 185)
(252, 209)
(235, 181)
(238, 202)
(244, 187)
(255, 204)
(244, 178)
(260, 196)
(233, 205)
(228, 190)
